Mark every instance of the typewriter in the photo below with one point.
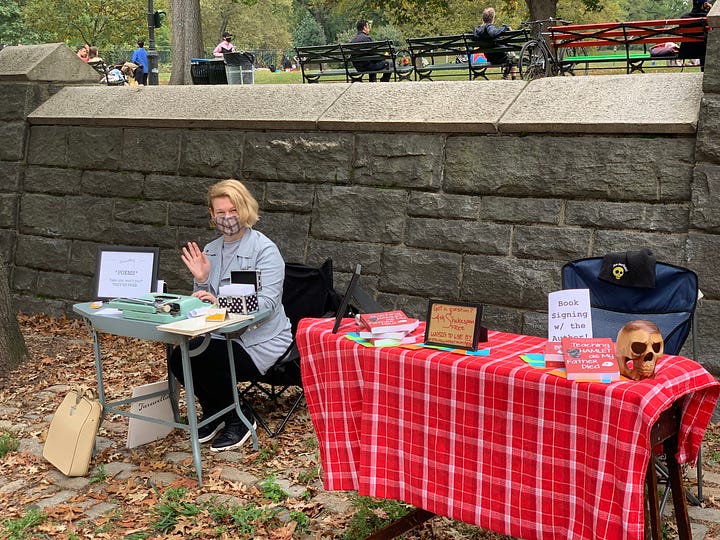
(157, 307)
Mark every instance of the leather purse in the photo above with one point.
(71, 438)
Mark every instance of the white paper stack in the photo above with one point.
(237, 289)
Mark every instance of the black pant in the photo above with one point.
(211, 373)
(374, 66)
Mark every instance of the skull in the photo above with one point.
(641, 342)
(618, 271)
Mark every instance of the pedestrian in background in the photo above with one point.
(140, 58)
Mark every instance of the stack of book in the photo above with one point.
(388, 328)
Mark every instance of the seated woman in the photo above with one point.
(233, 212)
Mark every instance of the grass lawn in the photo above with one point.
(265, 76)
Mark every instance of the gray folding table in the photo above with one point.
(105, 321)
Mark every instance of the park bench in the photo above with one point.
(625, 43)
(335, 62)
(460, 55)
(322, 62)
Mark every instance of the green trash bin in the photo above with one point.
(240, 68)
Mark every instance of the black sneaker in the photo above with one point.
(234, 435)
(207, 432)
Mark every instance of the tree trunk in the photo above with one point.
(12, 344)
(186, 38)
(542, 9)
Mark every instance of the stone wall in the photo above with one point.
(474, 191)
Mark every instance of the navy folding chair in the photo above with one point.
(670, 305)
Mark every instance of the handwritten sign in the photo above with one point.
(453, 324)
(569, 314)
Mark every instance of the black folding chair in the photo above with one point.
(307, 292)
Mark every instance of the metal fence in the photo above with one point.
(264, 58)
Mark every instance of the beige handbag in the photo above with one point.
(71, 437)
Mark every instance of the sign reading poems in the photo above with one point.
(129, 272)
(454, 324)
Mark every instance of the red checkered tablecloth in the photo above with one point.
(490, 440)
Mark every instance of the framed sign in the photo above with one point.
(128, 272)
(349, 292)
(454, 324)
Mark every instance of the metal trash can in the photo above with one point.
(240, 68)
(199, 70)
(217, 71)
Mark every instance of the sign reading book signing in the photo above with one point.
(454, 324)
(569, 314)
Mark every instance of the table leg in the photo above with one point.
(172, 385)
(678, 489)
(233, 377)
(665, 432)
(99, 372)
(402, 525)
(191, 409)
(652, 503)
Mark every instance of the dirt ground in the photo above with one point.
(152, 492)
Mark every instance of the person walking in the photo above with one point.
(140, 58)
(363, 36)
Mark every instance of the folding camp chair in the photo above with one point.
(670, 305)
(307, 292)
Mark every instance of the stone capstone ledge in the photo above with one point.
(657, 103)
(52, 62)
(644, 103)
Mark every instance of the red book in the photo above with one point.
(387, 321)
(590, 359)
(553, 355)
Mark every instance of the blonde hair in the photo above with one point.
(245, 204)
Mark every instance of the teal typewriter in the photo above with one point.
(157, 307)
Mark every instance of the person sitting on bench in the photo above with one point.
(363, 36)
(487, 31)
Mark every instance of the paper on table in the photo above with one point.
(198, 325)
(109, 312)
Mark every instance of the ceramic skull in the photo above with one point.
(641, 342)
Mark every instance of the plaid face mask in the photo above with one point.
(228, 225)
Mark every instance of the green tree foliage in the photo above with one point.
(655, 9)
(380, 33)
(13, 29)
(103, 23)
(308, 32)
(254, 24)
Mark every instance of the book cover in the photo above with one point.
(387, 321)
(590, 359)
(553, 355)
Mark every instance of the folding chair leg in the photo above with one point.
(263, 424)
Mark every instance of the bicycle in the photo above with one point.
(537, 60)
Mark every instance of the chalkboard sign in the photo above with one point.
(454, 324)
